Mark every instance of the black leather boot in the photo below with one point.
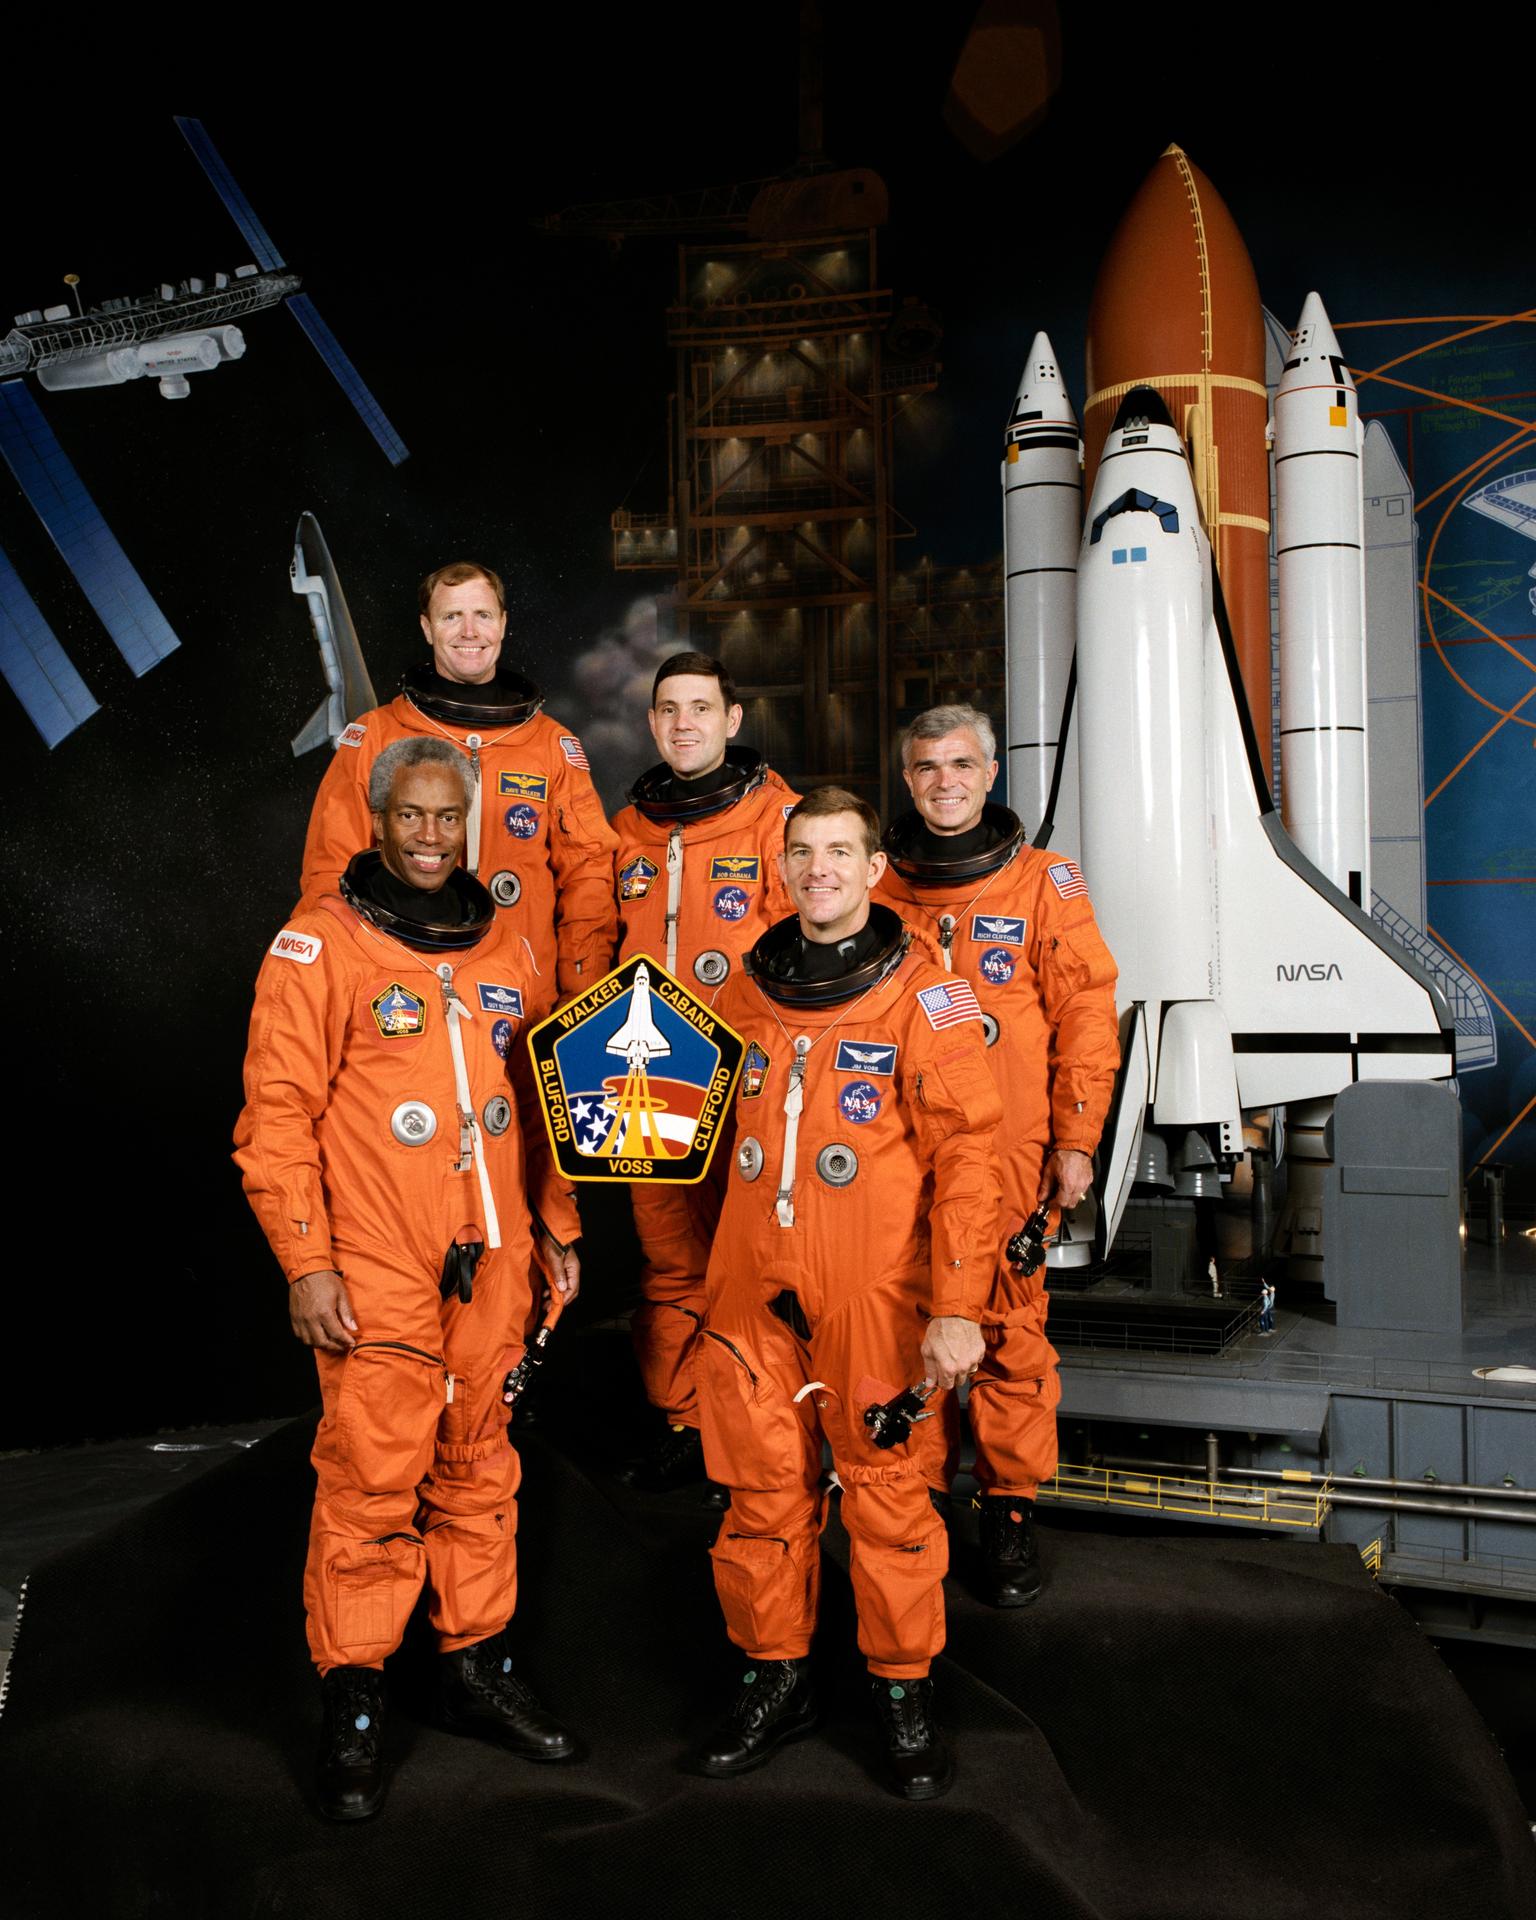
(479, 1694)
(1010, 1559)
(776, 1704)
(674, 1459)
(921, 1767)
(350, 1772)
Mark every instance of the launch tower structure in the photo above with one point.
(947, 638)
(792, 364)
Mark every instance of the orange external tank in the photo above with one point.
(1176, 307)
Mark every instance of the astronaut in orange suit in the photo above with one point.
(537, 837)
(697, 878)
(382, 1146)
(1017, 923)
(854, 1259)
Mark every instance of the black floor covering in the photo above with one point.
(1180, 1728)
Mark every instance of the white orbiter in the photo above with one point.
(1248, 979)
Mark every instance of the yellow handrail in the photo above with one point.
(1267, 1505)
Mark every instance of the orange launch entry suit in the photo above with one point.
(354, 1159)
(845, 1225)
(697, 882)
(541, 842)
(1017, 923)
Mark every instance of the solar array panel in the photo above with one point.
(321, 338)
(37, 667)
(224, 185)
(330, 351)
(122, 602)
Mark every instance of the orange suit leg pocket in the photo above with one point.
(380, 1434)
(768, 1589)
(1013, 1417)
(755, 1436)
(899, 1555)
(358, 1595)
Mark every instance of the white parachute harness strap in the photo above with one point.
(812, 1386)
(674, 893)
(794, 1105)
(472, 825)
(794, 1099)
(470, 1145)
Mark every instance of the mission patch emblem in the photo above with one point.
(635, 1077)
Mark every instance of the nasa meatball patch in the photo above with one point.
(303, 947)
(860, 1101)
(864, 1056)
(521, 821)
(501, 1037)
(997, 965)
(398, 1013)
(731, 903)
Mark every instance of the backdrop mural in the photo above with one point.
(159, 664)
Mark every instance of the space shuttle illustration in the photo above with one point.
(1252, 974)
(349, 691)
(638, 1041)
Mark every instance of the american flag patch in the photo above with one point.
(948, 1005)
(1068, 880)
(570, 746)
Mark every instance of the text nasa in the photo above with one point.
(714, 1099)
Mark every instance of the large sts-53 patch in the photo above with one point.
(635, 1078)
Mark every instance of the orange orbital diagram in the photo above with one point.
(1176, 307)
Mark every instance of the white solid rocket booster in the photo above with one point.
(1042, 520)
(1320, 550)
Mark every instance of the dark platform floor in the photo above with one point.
(1179, 1728)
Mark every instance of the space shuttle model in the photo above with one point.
(349, 690)
(1251, 973)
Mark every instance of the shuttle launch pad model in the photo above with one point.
(1265, 1013)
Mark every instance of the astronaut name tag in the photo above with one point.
(635, 1077)
(996, 930)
